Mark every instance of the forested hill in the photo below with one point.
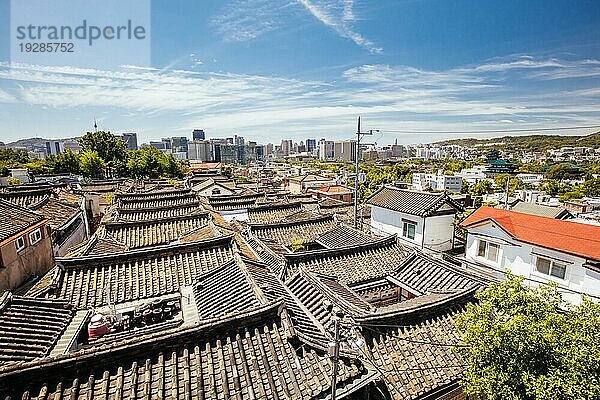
(530, 142)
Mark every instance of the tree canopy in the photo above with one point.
(109, 147)
(522, 343)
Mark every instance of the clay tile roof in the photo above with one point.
(411, 202)
(570, 237)
(284, 233)
(225, 291)
(260, 363)
(342, 236)
(16, 219)
(92, 281)
(30, 327)
(352, 264)
(424, 274)
(155, 213)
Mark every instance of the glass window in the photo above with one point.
(543, 265)
(493, 250)
(35, 236)
(558, 269)
(481, 248)
(408, 230)
(20, 243)
(554, 268)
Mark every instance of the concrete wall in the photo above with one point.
(35, 259)
(388, 222)
(520, 259)
(439, 231)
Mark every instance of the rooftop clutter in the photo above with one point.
(169, 299)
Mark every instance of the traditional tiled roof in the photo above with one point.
(423, 274)
(186, 199)
(92, 281)
(30, 327)
(541, 210)
(342, 236)
(570, 237)
(106, 186)
(417, 360)
(226, 290)
(234, 202)
(16, 219)
(154, 232)
(352, 264)
(58, 212)
(28, 199)
(273, 212)
(153, 194)
(155, 213)
(305, 324)
(287, 232)
(216, 360)
(412, 202)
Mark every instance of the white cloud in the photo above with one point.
(388, 96)
(339, 16)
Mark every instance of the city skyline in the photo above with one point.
(309, 68)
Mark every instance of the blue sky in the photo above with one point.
(274, 69)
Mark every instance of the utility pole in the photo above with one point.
(335, 353)
(359, 135)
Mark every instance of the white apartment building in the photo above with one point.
(439, 181)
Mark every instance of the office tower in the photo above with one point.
(198, 134)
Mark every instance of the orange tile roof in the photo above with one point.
(566, 236)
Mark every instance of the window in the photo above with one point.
(550, 267)
(408, 230)
(35, 236)
(20, 243)
(488, 250)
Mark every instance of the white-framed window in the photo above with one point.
(35, 236)
(547, 266)
(408, 229)
(20, 243)
(488, 250)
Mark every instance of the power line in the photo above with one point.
(563, 128)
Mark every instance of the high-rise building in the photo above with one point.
(229, 153)
(286, 147)
(311, 144)
(269, 149)
(54, 147)
(344, 150)
(180, 144)
(201, 150)
(325, 150)
(130, 139)
(198, 134)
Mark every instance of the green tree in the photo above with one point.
(521, 343)
(92, 165)
(109, 147)
(66, 162)
(591, 187)
(481, 187)
(515, 183)
(559, 172)
(531, 168)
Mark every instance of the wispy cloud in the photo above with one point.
(472, 97)
(339, 16)
(249, 19)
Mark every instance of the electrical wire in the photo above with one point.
(562, 128)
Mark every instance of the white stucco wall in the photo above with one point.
(239, 215)
(520, 258)
(388, 222)
(438, 232)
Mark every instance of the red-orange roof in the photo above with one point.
(570, 237)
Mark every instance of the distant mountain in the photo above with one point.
(529, 142)
(33, 142)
